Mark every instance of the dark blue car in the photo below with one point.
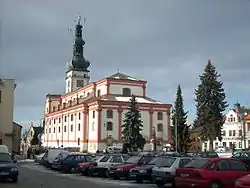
(69, 163)
(8, 168)
(141, 173)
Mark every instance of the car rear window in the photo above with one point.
(166, 162)
(197, 163)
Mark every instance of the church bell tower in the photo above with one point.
(77, 74)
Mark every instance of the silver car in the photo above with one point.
(163, 173)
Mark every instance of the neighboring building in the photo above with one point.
(90, 115)
(16, 143)
(29, 135)
(247, 125)
(233, 129)
(7, 88)
(196, 144)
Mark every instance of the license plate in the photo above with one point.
(158, 178)
(95, 174)
(132, 175)
(4, 173)
(111, 172)
(184, 175)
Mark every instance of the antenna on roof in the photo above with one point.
(118, 70)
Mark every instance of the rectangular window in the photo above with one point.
(0, 96)
(1, 141)
(79, 115)
(234, 132)
(93, 114)
(230, 133)
(248, 126)
(71, 128)
(240, 132)
(65, 128)
(78, 141)
(79, 127)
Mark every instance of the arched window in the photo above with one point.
(59, 129)
(159, 116)
(54, 129)
(126, 92)
(72, 117)
(109, 126)
(65, 128)
(71, 128)
(159, 127)
(65, 118)
(109, 113)
(98, 93)
(79, 127)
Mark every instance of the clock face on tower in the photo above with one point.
(79, 83)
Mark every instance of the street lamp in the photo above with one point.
(176, 135)
(154, 138)
(244, 130)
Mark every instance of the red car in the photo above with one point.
(84, 166)
(122, 170)
(210, 173)
(243, 182)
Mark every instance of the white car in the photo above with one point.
(105, 162)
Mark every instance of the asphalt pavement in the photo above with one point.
(36, 176)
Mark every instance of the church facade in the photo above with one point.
(89, 116)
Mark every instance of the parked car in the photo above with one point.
(243, 182)
(83, 167)
(163, 173)
(38, 158)
(207, 154)
(141, 173)
(243, 156)
(50, 156)
(210, 172)
(57, 161)
(69, 163)
(122, 170)
(103, 165)
(8, 167)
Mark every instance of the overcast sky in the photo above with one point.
(166, 42)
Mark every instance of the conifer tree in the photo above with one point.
(132, 127)
(179, 119)
(210, 105)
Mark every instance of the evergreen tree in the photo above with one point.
(179, 119)
(132, 126)
(210, 105)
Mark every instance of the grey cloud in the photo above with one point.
(166, 43)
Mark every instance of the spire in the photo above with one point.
(78, 61)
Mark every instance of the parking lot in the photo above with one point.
(97, 182)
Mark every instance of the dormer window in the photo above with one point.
(126, 92)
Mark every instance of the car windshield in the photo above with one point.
(133, 160)
(63, 155)
(95, 158)
(155, 161)
(197, 163)
(166, 162)
(4, 157)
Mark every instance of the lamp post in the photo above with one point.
(154, 139)
(244, 130)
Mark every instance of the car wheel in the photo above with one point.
(215, 184)
(160, 184)
(106, 173)
(139, 181)
(14, 179)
